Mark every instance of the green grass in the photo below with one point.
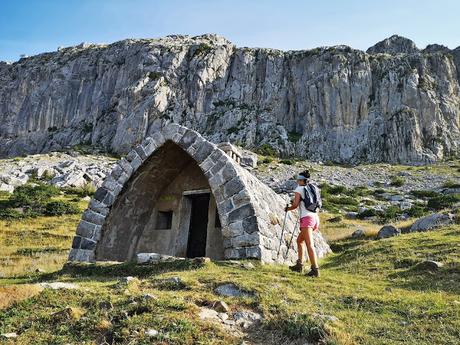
(372, 287)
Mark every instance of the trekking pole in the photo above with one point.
(290, 241)
(282, 232)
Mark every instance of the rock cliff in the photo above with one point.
(395, 103)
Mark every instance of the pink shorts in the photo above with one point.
(310, 221)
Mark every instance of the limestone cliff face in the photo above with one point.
(394, 103)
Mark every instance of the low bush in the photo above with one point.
(58, 208)
(10, 214)
(86, 190)
(451, 184)
(287, 161)
(390, 213)
(424, 193)
(368, 213)
(443, 201)
(266, 150)
(416, 211)
(397, 181)
(32, 196)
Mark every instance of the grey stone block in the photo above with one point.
(134, 159)
(216, 181)
(170, 130)
(76, 242)
(128, 169)
(97, 233)
(86, 243)
(229, 171)
(227, 206)
(235, 253)
(188, 139)
(98, 207)
(123, 179)
(203, 151)
(233, 229)
(140, 151)
(93, 217)
(233, 187)
(245, 240)
(85, 229)
(82, 255)
(241, 213)
(241, 198)
(250, 224)
(253, 252)
(117, 170)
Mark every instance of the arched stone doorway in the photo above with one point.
(166, 207)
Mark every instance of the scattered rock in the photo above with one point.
(221, 306)
(324, 317)
(58, 285)
(40, 270)
(351, 215)
(8, 335)
(207, 313)
(358, 233)
(231, 290)
(153, 258)
(429, 265)
(152, 333)
(388, 231)
(246, 318)
(148, 296)
(248, 266)
(201, 260)
(431, 222)
(128, 280)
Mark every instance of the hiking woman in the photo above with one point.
(309, 221)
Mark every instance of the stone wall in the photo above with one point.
(251, 214)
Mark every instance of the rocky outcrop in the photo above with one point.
(394, 103)
(394, 45)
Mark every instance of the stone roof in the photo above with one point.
(251, 213)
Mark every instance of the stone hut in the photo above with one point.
(181, 195)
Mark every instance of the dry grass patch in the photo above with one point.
(15, 293)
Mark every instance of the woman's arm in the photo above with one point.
(295, 203)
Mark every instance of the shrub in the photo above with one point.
(451, 184)
(10, 214)
(87, 189)
(368, 213)
(58, 208)
(390, 213)
(266, 150)
(287, 161)
(416, 211)
(443, 201)
(397, 181)
(33, 196)
(424, 193)
(267, 160)
(294, 137)
(343, 200)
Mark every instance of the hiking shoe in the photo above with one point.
(314, 272)
(298, 267)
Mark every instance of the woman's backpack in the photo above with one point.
(312, 199)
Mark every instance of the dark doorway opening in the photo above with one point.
(198, 229)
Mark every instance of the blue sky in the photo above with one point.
(35, 26)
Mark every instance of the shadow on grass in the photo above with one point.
(108, 271)
(444, 279)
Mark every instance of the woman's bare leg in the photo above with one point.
(311, 247)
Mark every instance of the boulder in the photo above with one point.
(429, 265)
(153, 258)
(358, 233)
(231, 290)
(432, 221)
(58, 285)
(221, 307)
(388, 231)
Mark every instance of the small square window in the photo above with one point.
(164, 220)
